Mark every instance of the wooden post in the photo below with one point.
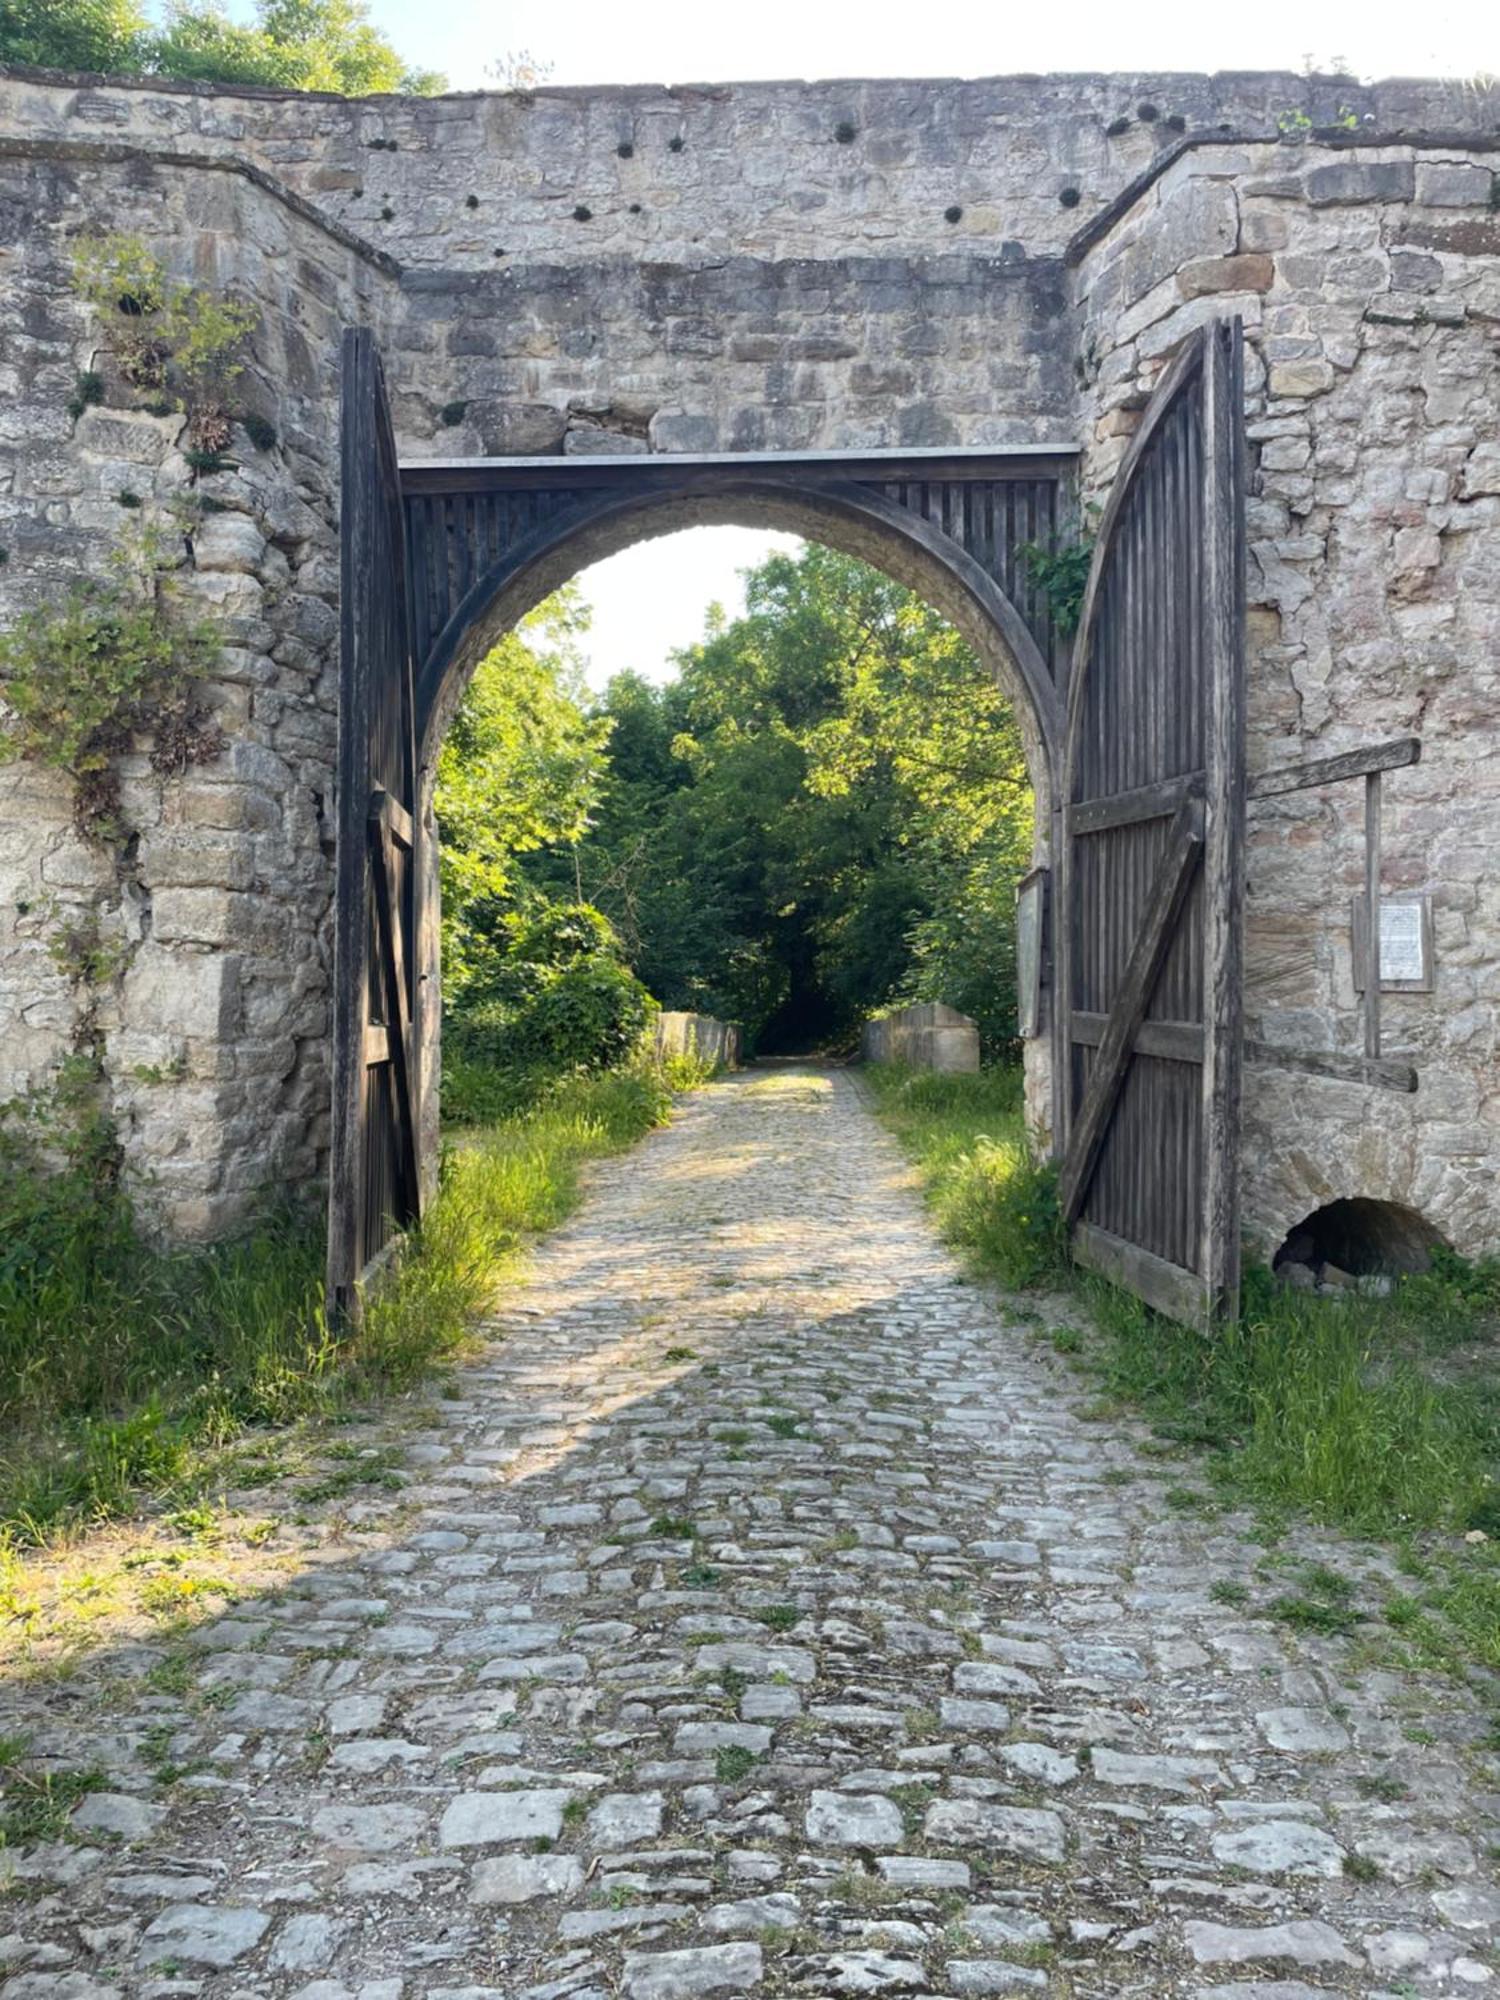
(1372, 914)
(1224, 858)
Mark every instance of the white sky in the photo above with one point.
(652, 598)
(701, 41)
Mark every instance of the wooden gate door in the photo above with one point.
(1153, 854)
(375, 1181)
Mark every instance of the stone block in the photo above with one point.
(1247, 272)
(929, 1036)
(678, 430)
(1454, 184)
(182, 992)
(592, 441)
(228, 542)
(516, 430)
(1349, 181)
(1310, 377)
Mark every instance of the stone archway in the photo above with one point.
(668, 497)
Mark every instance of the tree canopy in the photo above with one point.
(826, 812)
(291, 44)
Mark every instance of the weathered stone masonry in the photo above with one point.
(777, 267)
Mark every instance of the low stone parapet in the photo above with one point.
(700, 1035)
(930, 1036)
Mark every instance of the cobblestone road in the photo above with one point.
(766, 1616)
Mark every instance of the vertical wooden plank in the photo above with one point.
(368, 1196)
(351, 895)
(1372, 913)
(1224, 791)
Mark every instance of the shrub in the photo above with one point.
(115, 660)
(163, 332)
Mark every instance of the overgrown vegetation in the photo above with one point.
(1366, 1414)
(124, 1369)
(967, 1134)
(1061, 573)
(115, 660)
(168, 337)
(535, 984)
(290, 45)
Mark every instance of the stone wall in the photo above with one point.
(1370, 291)
(700, 1035)
(786, 278)
(215, 1019)
(928, 1036)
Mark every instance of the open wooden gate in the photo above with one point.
(375, 1184)
(1152, 890)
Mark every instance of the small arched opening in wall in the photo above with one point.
(1352, 1239)
(854, 522)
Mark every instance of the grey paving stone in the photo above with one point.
(1021, 1830)
(490, 1819)
(369, 1829)
(524, 1878)
(202, 1934)
(1280, 1847)
(853, 1819)
(692, 1974)
(1305, 1941)
(119, 1813)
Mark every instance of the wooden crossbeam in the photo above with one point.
(1382, 1073)
(1174, 874)
(381, 824)
(1394, 755)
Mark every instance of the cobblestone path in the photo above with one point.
(767, 1616)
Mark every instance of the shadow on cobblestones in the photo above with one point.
(762, 1615)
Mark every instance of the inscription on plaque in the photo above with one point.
(1405, 944)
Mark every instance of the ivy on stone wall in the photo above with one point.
(171, 341)
(1061, 574)
(117, 659)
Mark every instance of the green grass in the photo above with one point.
(125, 1371)
(733, 1763)
(35, 1805)
(967, 1136)
(1347, 1411)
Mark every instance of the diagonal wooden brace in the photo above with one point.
(385, 818)
(1174, 874)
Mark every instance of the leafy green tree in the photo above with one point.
(826, 811)
(518, 774)
(108, 35)
(291, 44)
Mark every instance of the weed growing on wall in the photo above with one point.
(115, 661)
(1061, 574)
(165, 335)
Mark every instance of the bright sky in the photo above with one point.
(696, 41)
(651, 599)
